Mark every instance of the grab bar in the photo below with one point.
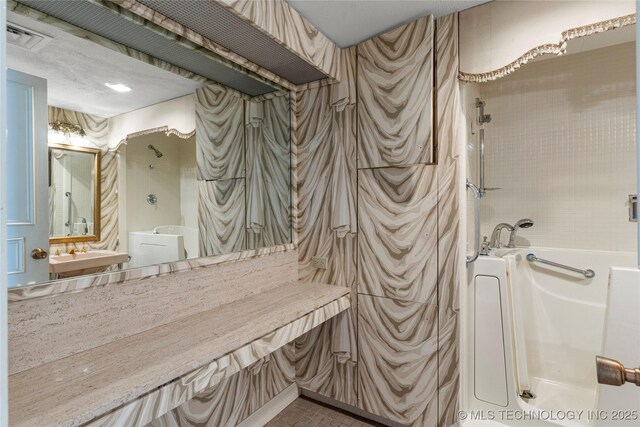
(588, 273)
(476, 246)
(69, 205)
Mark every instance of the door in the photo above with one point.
(26, 177)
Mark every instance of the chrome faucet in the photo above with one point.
(523, 223)
(495, 236)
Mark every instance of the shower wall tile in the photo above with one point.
(221, 216)
(398, 235)
(561, 146)
(450, 264)
(398, 360)
(219, 133)
(395, 96)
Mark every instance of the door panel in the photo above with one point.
(26, 175)
(15, 256)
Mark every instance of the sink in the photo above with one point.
(85, 263)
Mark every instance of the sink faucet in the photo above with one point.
(523, 223)
(72, 251)
(495, 236)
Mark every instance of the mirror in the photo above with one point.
(146, 162)
(74, 194)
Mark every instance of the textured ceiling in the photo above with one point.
(76, 71)
(105, 22)
(348, 22)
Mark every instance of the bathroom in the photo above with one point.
(324, 213)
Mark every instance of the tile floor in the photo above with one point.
(304, 412)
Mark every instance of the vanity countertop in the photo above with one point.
(81, 387)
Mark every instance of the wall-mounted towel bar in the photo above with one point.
(588, 273)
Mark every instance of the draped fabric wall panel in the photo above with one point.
(401, 260)
(326, 218)
(237, 397)
(243, 160)
(268, 179)
(395, 96)
(219, 133)
(450, 264)
(397, 226)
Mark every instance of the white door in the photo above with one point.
(27, 179)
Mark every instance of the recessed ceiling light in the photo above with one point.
(118, 87)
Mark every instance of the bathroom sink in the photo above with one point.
(86, 262)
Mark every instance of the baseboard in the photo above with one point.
(348, 408)
(272, 408)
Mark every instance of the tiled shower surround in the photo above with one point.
(561, 147)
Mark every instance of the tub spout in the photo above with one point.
(495, 236)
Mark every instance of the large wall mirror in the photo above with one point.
(137, 161)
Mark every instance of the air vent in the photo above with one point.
(24, 38)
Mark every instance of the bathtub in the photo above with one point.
(532, 329)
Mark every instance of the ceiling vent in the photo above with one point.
(25, 38)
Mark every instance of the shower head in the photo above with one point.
(524, 223)
(155, 150)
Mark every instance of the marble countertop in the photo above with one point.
(79, 388)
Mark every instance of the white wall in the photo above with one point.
(562, 146)
(177, 114)
(497, 33)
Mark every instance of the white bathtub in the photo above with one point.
(530, 326)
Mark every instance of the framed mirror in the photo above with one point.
(74, 194)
